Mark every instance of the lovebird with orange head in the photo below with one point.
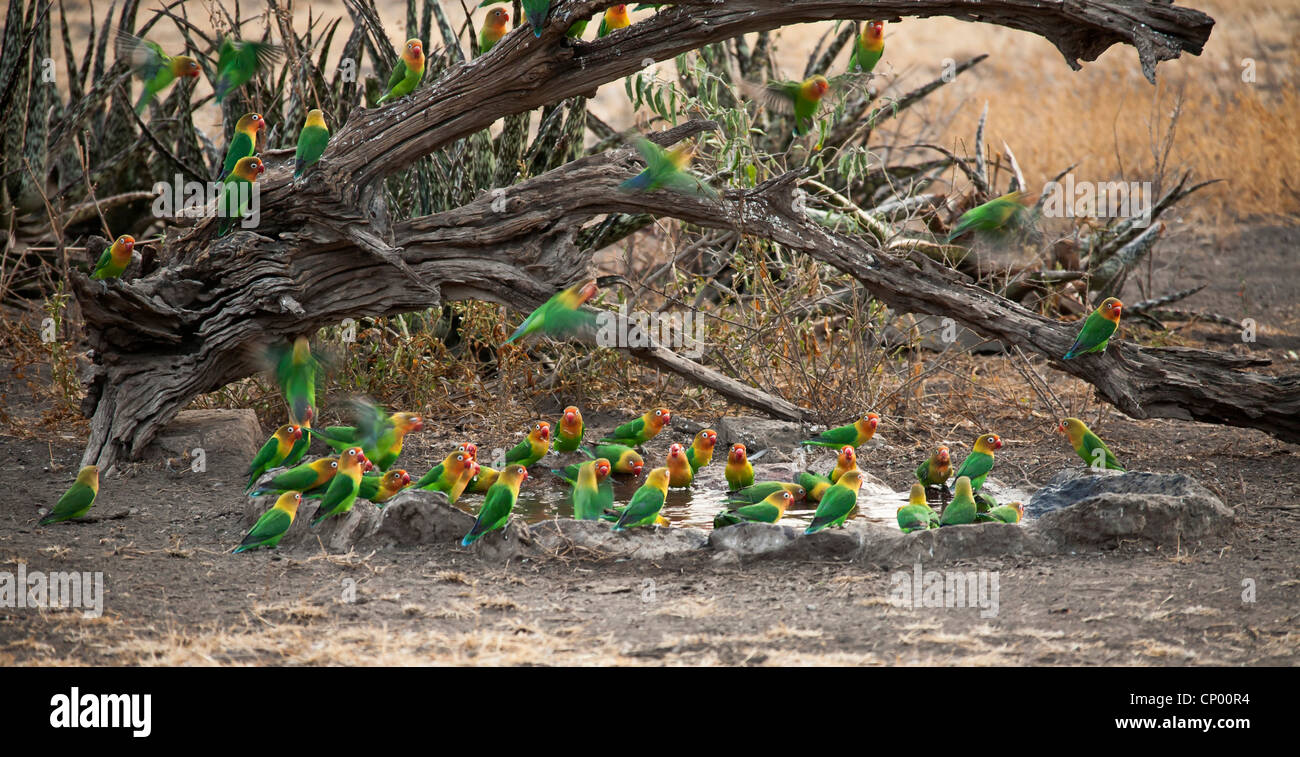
(854, 434)
(868, 47)
(443, 476)
(114, 260)
(637, 432)
(378, 434)
(1088, 445)
(979, 462)
(937, 470)
(273, 452)
(305, 478)
(569, 436)
(343, 488)
(1097, 329)
(738, 471)
(237, 192)
(615, 18)
(380, 489)
(846, 460)
(624, 459)
(406, 74)
(769, 510)
(700, 453)
(274, 523)
(801, 98)
(156, 68)
(534, 446)
(244, 141)
(643, 509)
(494, 28)
(679, 468)
(592, 491)
(497, 504)
(837, 503)
(562, 315)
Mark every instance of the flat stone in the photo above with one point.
(229, 438)
(597, 539)
(778, 437)
(415, 516)
(1107, 518)
(749, 539)
(338, 533)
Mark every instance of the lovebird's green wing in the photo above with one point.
(976, 465)
(399, 73)
(1092, 443)
(241, 146)
(294, 479)
(272, 525)
(759, 513)
(643, 508)
(835, 437)
(311, 145)
(340, 495)
(497, 505)
(835, 506)
(537, 11)
(74, 503)
(630, 430)
(1096, 331)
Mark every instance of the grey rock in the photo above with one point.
(337, 534)
(1109, 517)
(887, 546)
(778, 437)
(1077, 484)
(415, 516)
(748, 539)
(226, 436)
(597, 539)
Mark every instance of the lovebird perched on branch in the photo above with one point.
(493, 29)
(769, 510)
(536, 11)
(237, 193)
(1088, 445)
(273, 525)
(636, 432)
(802, 99)
(936, 470)
(739, 472)
(406, 74)
(273, 452)
(569, 435)
(854, 435)
(615, 18)
(961, 510)
(238, 61)
(997, 215)
(303, 478)
(497, 504)
(666, 169)
(1097, 329)
(114, 259)
(916, 515)
(156, 68)
(837, 503)
(592, 490)
(244, 141)
(624, 459)
(979, 462)
(343, 488)
(643, 509)
(561, 315)
(868, 47)
(311, 141)
(700, 452)
(534, 446)
(78, 499)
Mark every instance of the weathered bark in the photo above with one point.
(325, 250)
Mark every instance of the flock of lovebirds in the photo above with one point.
(367, 451)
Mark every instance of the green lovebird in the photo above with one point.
(483, 480)
(442, 477)
(274, 523)
(623, 458)
(561, 315)
(868, 47)
(636, 432)
(343, 488)
(666, 169)
(534, 446)
(497, 504)
(979, 462)
(854, 434)
(311, 141)
(936, 470)
(569, 436)
(406, 74)
(592, 490)
(378, 433)
(114, 260)
(995, 216)
(273, 452)
(700, 453)
(295, 373)
(815, 484)
(303, 478)
(803, 99)
(917, 515)
(648, 6)
(380, 489)
(238, 61)
(577, 28)
(150, 63)
(244, 142)
(237, 193)
(615, 18)
(536, 12)
(78, 499)
(1088, 445)
(494, 28)
(1097, 328)
(837, 503)
(961, 510)
(768, 510)
(846, 461)
(738, 471)
(643, 509)
(757, 492)
(1012, 512)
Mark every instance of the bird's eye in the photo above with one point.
(333, 464)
